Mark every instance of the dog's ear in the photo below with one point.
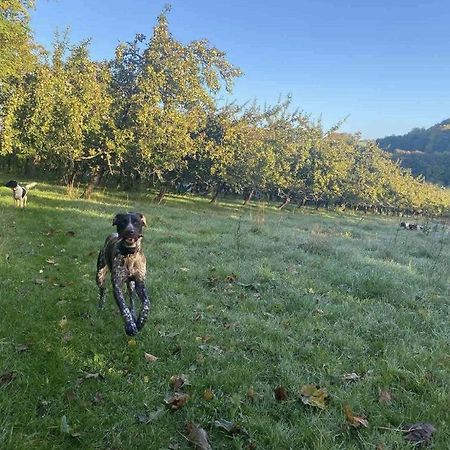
(115, 219)
(143, 219)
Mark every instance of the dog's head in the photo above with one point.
(12, 184)
(129, 227)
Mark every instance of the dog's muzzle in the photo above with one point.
(130, 242)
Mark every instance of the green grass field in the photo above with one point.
(245, 299)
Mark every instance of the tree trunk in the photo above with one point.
(161, 194)
(216, 193)
(249, 197)
(94, 181)
(286, 200)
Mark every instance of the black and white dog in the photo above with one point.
(19, 193)
(122, 255)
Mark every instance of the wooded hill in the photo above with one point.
(148, 117)
(425, 151)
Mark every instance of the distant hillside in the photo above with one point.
(425, 151)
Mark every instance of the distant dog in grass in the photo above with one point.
(19, 193)
(411, 226)
(122, 255)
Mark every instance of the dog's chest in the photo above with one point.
(130, 266)
(17, 193)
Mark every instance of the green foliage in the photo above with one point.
(425, 151)
(16, 42)
(149, 117)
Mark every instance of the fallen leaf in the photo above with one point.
(146, 379)
(419, 433)
(229, 427)
(384, 397)
(184, 269)
(313, 395)
(251, 393)
(208, 394)
(63, 322)
(93, 376)
(355, 421)
(351, 376)
(132, 343)
(7, 377)
(70, 233)
(280, 393)
(178, 381)
(231, 278)
(379, 447)
(198, 437)
(150, 358)
(177, 400)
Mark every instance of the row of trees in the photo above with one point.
(149, 117)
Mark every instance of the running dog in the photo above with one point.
(122, 255)
(19, 193)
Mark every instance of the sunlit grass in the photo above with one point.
(242, 296)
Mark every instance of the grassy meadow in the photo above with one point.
(245, 299)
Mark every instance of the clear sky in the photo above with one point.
(386, 63)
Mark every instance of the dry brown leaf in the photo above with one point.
(251, 393)
(150, 358)
(351, 376)
(355, 421)
(177, 400)
(280, 393)
(208, 394)
(313, 395)
(50, 261)
(178, 381)
(231, 278)
(384, 397)
(419, 433)
(7, 377)
(198, 437)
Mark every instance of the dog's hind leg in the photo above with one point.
(102, 270)
(131, 290)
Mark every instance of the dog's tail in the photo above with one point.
(29, 186)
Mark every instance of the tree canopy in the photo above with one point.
(149, 117)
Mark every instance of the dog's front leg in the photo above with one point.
(143, 296)
(131, 288)
(130, 326)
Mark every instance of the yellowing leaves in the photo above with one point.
(150, 358)
(354, 421)
(315, 396)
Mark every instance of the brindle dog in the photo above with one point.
(122, 255)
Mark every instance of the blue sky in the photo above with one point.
(384, 63)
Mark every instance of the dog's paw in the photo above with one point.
(131, 328)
